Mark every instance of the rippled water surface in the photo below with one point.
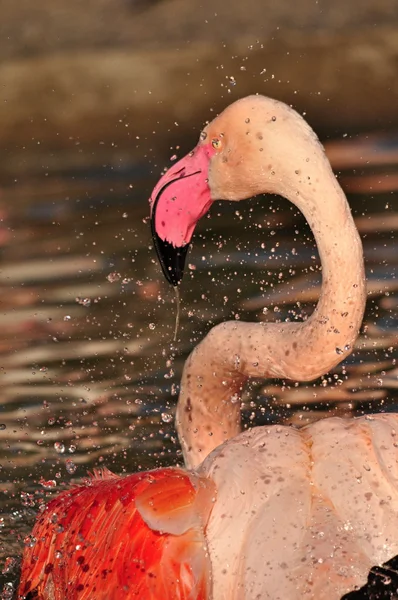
(88, 372)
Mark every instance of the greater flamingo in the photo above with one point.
(273, 512)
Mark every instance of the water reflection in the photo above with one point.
(89, 374)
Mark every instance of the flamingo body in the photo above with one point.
(265, 516)
(303, 513)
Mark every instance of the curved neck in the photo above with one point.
(208, 411)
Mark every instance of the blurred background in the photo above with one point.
(97, 97)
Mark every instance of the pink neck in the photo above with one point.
(215, 373)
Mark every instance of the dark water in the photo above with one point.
(88, 373)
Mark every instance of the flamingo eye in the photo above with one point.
(216, 143)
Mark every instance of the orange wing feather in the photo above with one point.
(140, 536)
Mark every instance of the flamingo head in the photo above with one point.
(180, 198)
(227, 164)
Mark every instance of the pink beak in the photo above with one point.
(178, 201)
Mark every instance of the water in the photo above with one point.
(89, 371)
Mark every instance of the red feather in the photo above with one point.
(141, 536)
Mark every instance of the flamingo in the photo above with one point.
(272, 512)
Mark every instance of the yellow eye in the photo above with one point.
(216, 143)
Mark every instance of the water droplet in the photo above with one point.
(113, 277)
(9, 565)
(50, 483)
(70, 466)
(167, 417)
(29, 541)
(8, 591)
(60, 448)
(27, 499)
(83, 301)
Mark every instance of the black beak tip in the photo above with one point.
(172, 260)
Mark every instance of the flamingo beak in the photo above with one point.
(178, 201)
